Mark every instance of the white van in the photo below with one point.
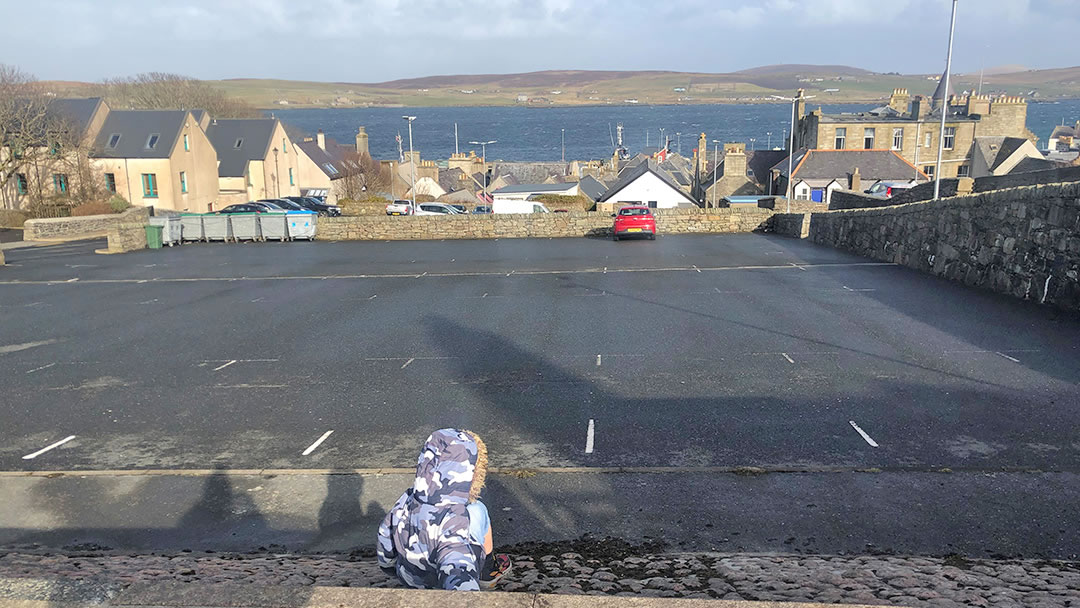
(502, 205)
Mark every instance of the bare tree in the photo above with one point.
(157, 90)
(362, 177)
(25, 119)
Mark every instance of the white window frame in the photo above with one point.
(840, 138)
(898, 138)
(869, 135)
(950, 138)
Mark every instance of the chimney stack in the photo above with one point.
(321, 138)
(800, 104)
(856, 181)
(703, 154)
(920, 108)
(900, 100)
(362, 142)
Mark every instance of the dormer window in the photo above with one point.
(331, 169)
(114, 139)
(151, 142)
(239, 143)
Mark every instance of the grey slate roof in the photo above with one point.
(592, 187)
(78, 111)
(451, 179)
(538, 188)
(996, 150)
(1065, 131)
(254, 136)
(1034, 164)
(530, 172)
(837, 164)
(758, 164)
(334, 155)
(135, 127)
(940, 92)
(629, 175)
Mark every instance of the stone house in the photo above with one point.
(738, 172)
(1064, 138)
(911, 127)
(321, 163)
(257, 160)
(1004, 155)
(816, 174)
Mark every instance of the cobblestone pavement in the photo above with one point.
(900, 581)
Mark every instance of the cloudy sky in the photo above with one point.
(378, 40)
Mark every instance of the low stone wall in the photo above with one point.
(795, 225)
(128, 231)
(1023, 241)
(544, 225)
(67, 227)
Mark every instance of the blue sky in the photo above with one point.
(377, 40)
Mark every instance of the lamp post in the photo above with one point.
(662, 145)
(944, 105)
(412, 161)
(791, 143)
(483, 154)
(678, 142)
(715, 168)
(769, 135)
(563, 145)
(277, 175)
(752, 140)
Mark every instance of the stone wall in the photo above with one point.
(1023, 241)
(552, 225)
(128, 231)
(795, 225)
(68, 227)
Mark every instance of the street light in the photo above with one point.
(752, 140)
(412, 161)
(769, 134)
(791, 145)
(563, 145)
(678, 142)
(663, 145)
(483, 154)
(944, 105)
(277, 177)
(716, 167)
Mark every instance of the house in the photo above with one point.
(643, 184)
(322, 163)
(522, 192)
(912, 127)
(1064, 138)
(739, 173)
(816, 174)
(159, 158)
(592, 187)
(1004, 155)
(256, 160)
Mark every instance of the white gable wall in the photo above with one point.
(648, 188)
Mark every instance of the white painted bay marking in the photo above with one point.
(694, 266)
(1013, 359)
(589, 438)
(510, 273)
(872, 443)
(373, 297)
(485, 295)
(797, 266)
(597, 360)
(317, 443)
(789, 359)
(47, 448)
(38, 369)
(252, 386)
(148, 301)
(407, 363)
(219, 368)
(257, 300)
(14, 348)
(72, 280)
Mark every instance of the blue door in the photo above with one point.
(817, 195)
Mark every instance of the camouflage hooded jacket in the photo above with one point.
(425, 536)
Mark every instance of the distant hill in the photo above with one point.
(829, 83)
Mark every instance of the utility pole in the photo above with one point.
(944, 105)
(791, 143)
(678, 142)
(663, 144)
(483, 154)
(412, 161)
(769, 135)
(716, 167)
(563, 145)
(456, 151)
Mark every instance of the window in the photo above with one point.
(284, 148)
(841, 138)
(868, 138)
(151, 142)
(21, 185)
(929, 139)
(114, 139)
(652, 205)
(897, 139)
(60, 183)
(929, 171)
(149, 185)
(239, 142)
(331, 169)
(110, 182)
(183, 182)
(963, 171)
(291, 182)
(187, 145)
(950, 137)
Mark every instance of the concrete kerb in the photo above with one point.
(191, 595)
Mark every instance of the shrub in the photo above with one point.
(95, 208)
(10, 218)
(558, 201)
(118, 204)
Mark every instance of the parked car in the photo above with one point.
(268, 207)
(435, 209)
(561, 211)
(243, 208)
(634, 220)
(482, 209)
(313, 204)
(458, 208)
(889, 189)
(285, 204)
(399, 207)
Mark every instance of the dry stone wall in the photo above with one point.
(67, 227)
(542, 225)
(1024, 241)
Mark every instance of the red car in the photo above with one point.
(634, 221)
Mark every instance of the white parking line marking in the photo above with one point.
(373, 297)
(150, 301)
(872, 443)
(694, 266)
(597, 360)
(407, 363)
(257, 300)
(317, 443)
(789, 359)
(38, 369)
(218, 369)
(485, 295)
(14, 348)
(46, 449)
(589, 438)
(72, 280)
(420, 276)
(1013, 359)
(510, 273)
